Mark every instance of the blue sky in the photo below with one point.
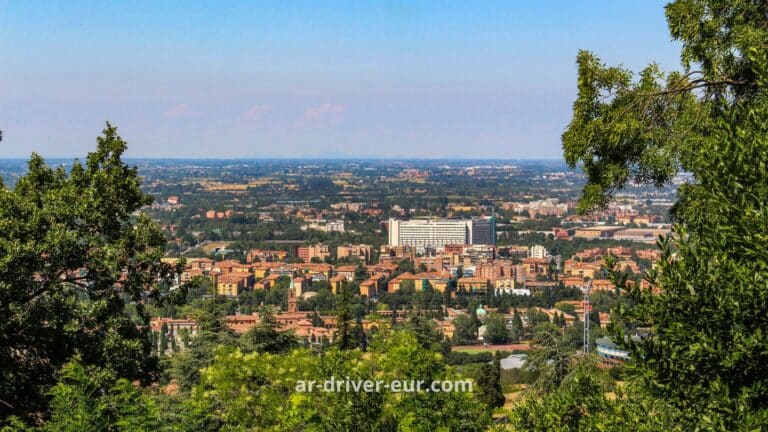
(309, 78)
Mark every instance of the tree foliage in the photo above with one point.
(581, 403)
(496, 331)
(267, 336)
(646, 129)
(73, 251)
(246, 391)
(212, 336)
(465, 329)
(701, 356)
(489, 382)
(78, 403)
(710, 314)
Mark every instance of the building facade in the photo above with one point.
(307, 253)
(538, 251)
(362, 252)
(428, 233)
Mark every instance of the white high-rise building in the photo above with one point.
(538, 251)
(420, 233)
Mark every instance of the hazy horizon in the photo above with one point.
(300, 158)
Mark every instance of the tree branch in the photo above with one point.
(696, 84)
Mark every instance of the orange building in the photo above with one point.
(231, 284)
(337, 284)
(472, 284)
(536, 266)
(602, 285)
(262, 255)
(348, 271)
(318, 251)
(369, 287)
(362, 252)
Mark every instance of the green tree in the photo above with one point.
(163, 339)
(489, 382)
(581, 404)
(359, 336)
(703, 354)
(646, 130)
(79, 404)
(465, 329)
(709, 315)
(496, 331)
(212, 335)
(74, 248)
(424, 330)
(317, 321)
(257, 391)
(344, 338)
(551, 359)
(518, 329)
(267, 336)
(535, 317)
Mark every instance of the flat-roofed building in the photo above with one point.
(307, 253)
(645, 235)
(431, 233)
(231, 284)
(597, 232)
(362, 252)
(472, 284)
(538, 251)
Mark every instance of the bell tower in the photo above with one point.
(292, 308)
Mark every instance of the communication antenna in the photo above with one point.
(587, 308)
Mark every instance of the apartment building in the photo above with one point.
(430, 233)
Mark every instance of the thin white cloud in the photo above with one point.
(177, 110)
(256, 111)
(326, 113)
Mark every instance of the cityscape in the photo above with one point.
(398, 217)
(529, 254)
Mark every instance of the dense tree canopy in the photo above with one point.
(710, 315)
(262, 391)
(699, 345)
(73, 251)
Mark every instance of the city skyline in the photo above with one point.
(309, 80)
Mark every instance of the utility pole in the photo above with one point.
(587, 308)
